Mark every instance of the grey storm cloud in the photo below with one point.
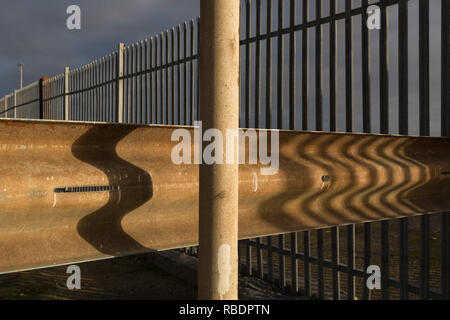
(35, 32)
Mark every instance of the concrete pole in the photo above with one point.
(219, 109)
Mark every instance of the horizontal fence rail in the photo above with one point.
(305, 65)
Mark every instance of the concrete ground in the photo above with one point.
(158, 276)
(121, 278)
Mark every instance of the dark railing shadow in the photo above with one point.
(102, 228)
(396, 163)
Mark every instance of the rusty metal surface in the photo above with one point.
(324, 179)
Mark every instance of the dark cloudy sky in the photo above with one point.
(34, 32)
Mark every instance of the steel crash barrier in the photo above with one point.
(73, 192)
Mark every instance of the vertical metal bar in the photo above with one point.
(185, 67)
(333, 127)
(97, 105)
(99, 102)
(142, 93)
(348, 66)
(166, 68)
(445, 128)
(319, 66)
(104, 88)
(198, 73)
(319, 127)
(15, 103)
(258, 66)
(155, 81)
(269, 68)
(108, 88)
(136, 83)
(281, 265)
(305, 68)
(119, 83)
(112, 88)
(81, 94)
(161, 79)
(365, 69)
(269, 116)
(384, 70)
(129, 81)
(403, 129)
(292, 126)
(247, 113)
(333, 66)
(172, 44)
(367, 256)
(350, 262)
(192, 80)
(84, 113)
(248, 257)
(280, 78)
(86, 95)
(280, 67)
(270, 259)
(335, 263)
(152, 66)
(72, 84)
(146, 75)
(307, 264)
(95, 80)
(178, 74)
(91, 92)
(320, 248)
(349, 128)
(384, 128)
(292, 65)
(294, 264)
(248, 23)
(66, 93)
(366, 128)
(259, 261)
